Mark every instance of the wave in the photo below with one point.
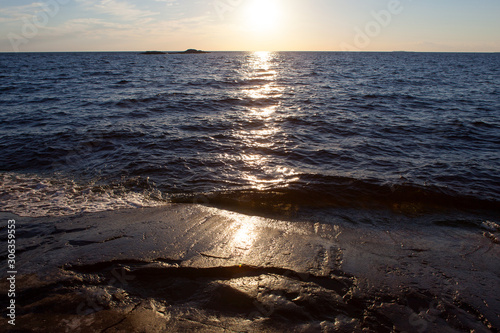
(318, 191)
(57, 195)
(177, 102)
(260, 80)
(37, 195)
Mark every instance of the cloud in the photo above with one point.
(15, 13)
(138, 31)
(118, 9)
(84, 25)
(169, 2)
(110, 25)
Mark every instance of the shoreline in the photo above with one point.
(180, 266)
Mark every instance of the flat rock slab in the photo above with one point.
(194, 268)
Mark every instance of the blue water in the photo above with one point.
(305, 128)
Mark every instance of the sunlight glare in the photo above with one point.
(245, 236)
(262, 15)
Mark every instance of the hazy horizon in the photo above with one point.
(253, 51)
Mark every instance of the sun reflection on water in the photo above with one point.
(263, 134)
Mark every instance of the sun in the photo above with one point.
(262, 15)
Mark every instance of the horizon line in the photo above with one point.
(331, 51)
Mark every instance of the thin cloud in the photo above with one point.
(119, 9)
(14, 13)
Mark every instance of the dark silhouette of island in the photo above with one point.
(153, 52)
(190, 51)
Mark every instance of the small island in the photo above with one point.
(190, 51)
(153, 52)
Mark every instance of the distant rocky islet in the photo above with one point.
(189, 51)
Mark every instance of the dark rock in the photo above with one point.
(189, 51)
(153, 52)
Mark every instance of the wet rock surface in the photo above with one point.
(192, 268)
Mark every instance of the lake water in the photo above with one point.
(270, 131)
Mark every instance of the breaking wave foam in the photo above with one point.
(35, 195)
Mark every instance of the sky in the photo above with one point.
(250, 25)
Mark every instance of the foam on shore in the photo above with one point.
(36, 196)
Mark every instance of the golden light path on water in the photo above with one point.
(262, 174)
(259, 69)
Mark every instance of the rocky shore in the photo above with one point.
(194, 268)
